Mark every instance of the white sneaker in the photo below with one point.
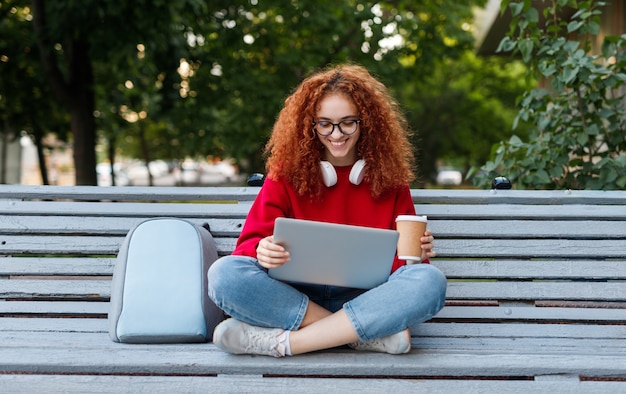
(397, 343)
(237, 337)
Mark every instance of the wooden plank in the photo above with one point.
(592, 291)
(446, 196)
(99, 225)
(446, 248)
(523, 212)
(425, 330)
(528, 229)
(519, 330)
(434, 211)
(28, 384)
(531, 269)
(545, 197)
(32, 288)
(50, 308)
(87, 245)
(502, 344)
(449, 313)
(128, 209)
(60, 245)
(95, 353)
(48, 324)
(532, 314)
(68, 266)
(526, 248)
(523, 229)
(120, 193)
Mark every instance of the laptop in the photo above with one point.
(334, 254)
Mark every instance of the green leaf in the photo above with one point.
(525, 47)
(569, 74)
(506, 45)
(593, 28)
(542, 176)
(547, 69)
(532, 15)
(515, 141)
(574, 25)
(516, 8)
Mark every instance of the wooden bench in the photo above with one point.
(536, 298)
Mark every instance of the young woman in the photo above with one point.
(339, 152)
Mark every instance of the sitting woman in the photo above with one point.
(347, 120)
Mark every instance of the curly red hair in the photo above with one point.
(294, 151)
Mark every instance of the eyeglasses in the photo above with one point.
(326, 128)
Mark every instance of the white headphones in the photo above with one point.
(330, 175)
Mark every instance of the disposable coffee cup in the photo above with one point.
(411, 229)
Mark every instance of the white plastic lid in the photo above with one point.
(415, 218)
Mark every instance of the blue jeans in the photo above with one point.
(243, 290)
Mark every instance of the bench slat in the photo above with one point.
(33, 288)
(135, 193)
(449, 313)
(95, 353)
(497, 313)
(94, 224)
(596, 291)
(118, 193)
(129, 209)
(522, 248)
(84, 266)
(426, 330)
(98, 225)
(446, 248)
(532, 269)
(528, 229)
(453, 269)
(48, 308)
(28, 384)
(526, 212)
(76, 245)
(592, 291)
(240, 210)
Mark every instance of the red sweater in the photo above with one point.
(343, 203)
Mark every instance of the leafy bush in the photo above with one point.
(578, 120)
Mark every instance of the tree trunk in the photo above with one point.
(43, 170)
(145, 151)
(111, 156)
(84, 133)
(76, 93)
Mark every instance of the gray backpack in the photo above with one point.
(159, 286)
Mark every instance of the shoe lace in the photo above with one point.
(267, 343)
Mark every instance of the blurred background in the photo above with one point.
(186, 92)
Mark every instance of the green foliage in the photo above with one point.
(578, 135)
(193, 78)
(465, 105)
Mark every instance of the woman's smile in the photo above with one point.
(340, 149)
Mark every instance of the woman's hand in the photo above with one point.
(427, 245)
(270, 254)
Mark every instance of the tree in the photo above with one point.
(188, 79)
(73, 36)
(274, 45)
(578, 135)
(463, 107)
(25, 107)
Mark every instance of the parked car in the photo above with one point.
(449, 177)
(103, 171)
